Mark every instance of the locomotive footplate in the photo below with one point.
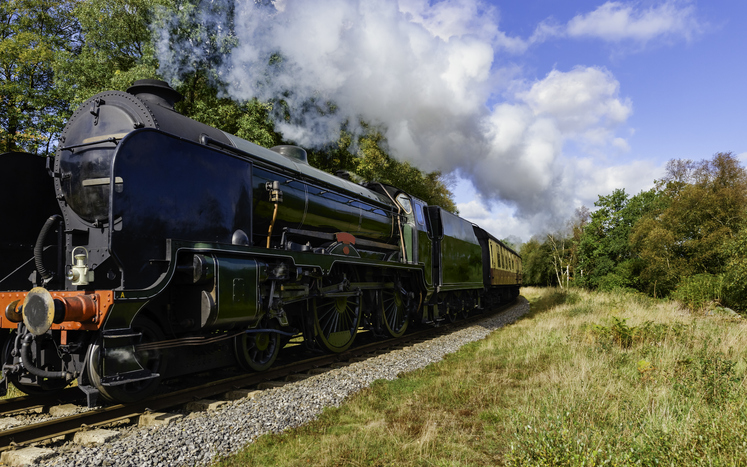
(128, 377)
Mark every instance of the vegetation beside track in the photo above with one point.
(585, 379)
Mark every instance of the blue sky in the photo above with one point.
(688, 94)
(686, 88)
(534, 107)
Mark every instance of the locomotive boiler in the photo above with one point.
(154, 246)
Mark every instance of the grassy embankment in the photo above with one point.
(585, 379)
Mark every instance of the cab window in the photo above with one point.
(419, 214)
(404, 201)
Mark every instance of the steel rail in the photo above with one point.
(36, 401)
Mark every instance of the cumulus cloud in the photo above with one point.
(524, 161)
(459, 18)
(424, 73)
(618, 21)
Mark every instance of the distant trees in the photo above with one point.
(685, 238)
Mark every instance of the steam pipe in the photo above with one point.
(272, 224)
(26, 360)
(39, 248)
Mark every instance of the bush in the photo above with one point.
(735, 278)
(695, 292)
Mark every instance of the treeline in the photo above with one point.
(55, 54)
(685, 238)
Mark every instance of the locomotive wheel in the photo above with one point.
(451, 304)
(451, 313)
(45, 386)
(336, 321)
(152, 360)
(257, 351)
(462, 300)
(393, 312)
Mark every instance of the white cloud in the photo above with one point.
(449, 19)
(619, 21)
(524, 161)
(579, 99)
(424, 73)
(498, 218)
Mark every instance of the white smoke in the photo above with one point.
(439, 78)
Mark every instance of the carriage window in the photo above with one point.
(419, 214)
(404, 201)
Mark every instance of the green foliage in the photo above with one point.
(249, 120)
(115, 47)
(735, 275)
(622, 276)
(605, 253)
(696, 292)
(555, 442)
(685, 236)
(537, 264)
(619, 333)
(375, 164)
(32, 34)
(709, 376)
(372, 163)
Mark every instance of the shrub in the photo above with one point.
(696, 292)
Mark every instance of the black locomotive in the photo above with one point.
(152, 246)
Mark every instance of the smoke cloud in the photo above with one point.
(439, 78)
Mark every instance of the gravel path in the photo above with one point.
(196, 439)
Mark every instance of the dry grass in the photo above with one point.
(584, 379)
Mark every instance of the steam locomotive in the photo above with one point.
(153, 246)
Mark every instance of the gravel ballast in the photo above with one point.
(197, 439)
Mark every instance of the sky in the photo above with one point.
(533, 108)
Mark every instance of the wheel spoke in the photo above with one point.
(393, 312)
(336, 321)
(257, 351)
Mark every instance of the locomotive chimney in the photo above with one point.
(155, 91)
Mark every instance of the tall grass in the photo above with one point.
(584, 379)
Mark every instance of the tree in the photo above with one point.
(605, 252)
(537, 264)
(32, 109)
(372, 163)
(116, 47)
(248, 120)
(735, 276)
(703, 209)
(558, 256)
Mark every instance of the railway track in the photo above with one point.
(65, 426)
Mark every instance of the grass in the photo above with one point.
(585, 379)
